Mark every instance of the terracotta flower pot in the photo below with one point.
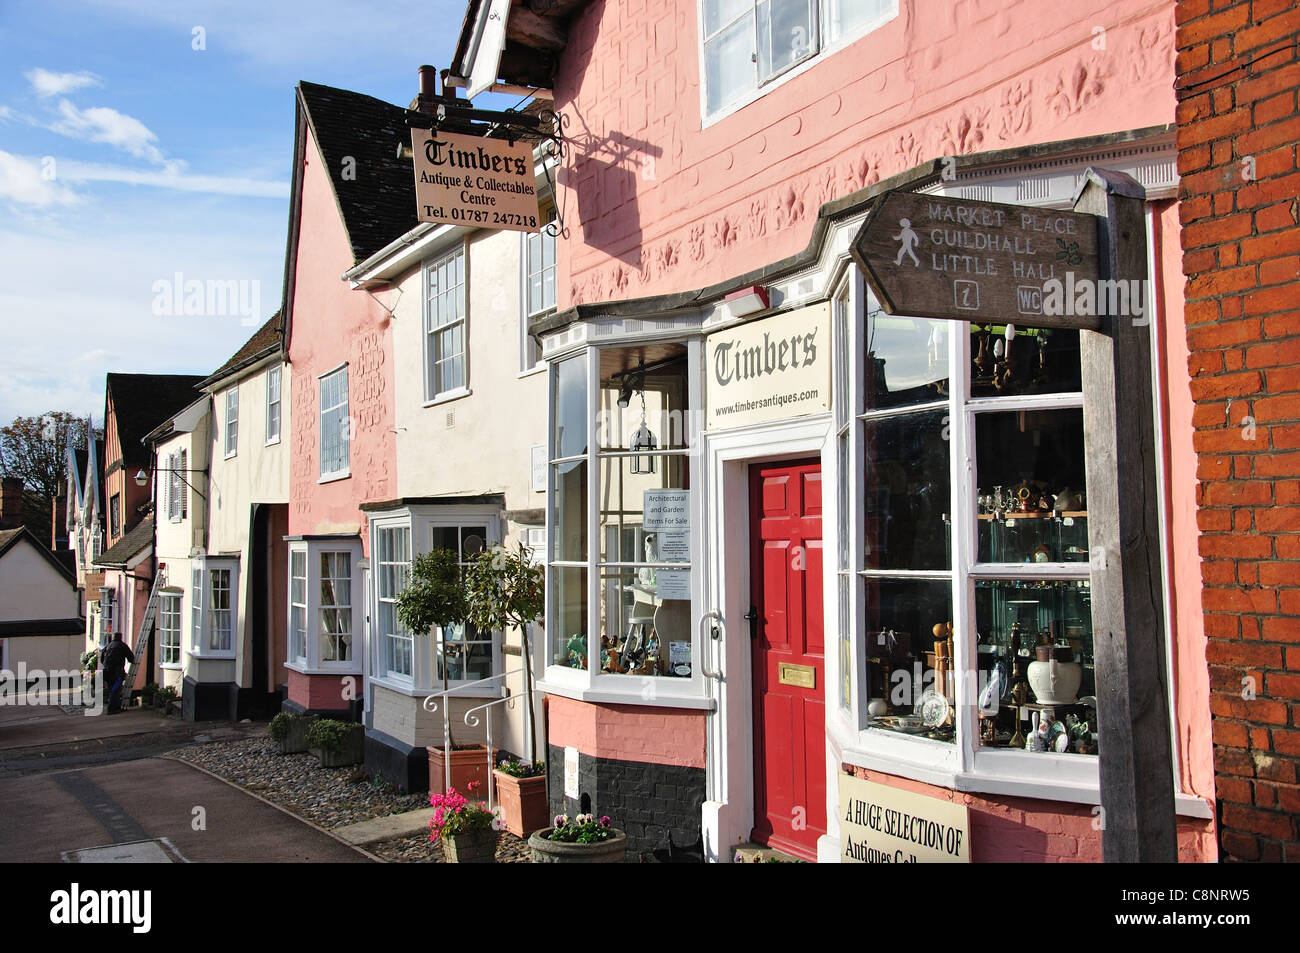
(523, 803)
(469, 764)
(612, 851)
(472, 847)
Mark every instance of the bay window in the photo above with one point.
(417, 663)
(622, 509)
(325, 619)
(969, 533)
(212, 606)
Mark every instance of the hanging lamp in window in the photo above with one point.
(643, 442)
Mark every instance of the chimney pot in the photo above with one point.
(428, 81)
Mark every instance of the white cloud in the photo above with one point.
(102, 124)
(173, 177)
(5, 112)
(46, 83)
(22, 181)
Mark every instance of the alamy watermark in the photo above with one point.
(214, 298)
(35, 686)
(1087, 297)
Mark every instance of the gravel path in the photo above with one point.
(329, 797)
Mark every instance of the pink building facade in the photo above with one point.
(737, 608)
(338, 347)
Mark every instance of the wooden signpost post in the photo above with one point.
(988, 263)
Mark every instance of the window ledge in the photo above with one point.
(303, 669)
(448, 396)
(538, 368)
(223, 655)
(231, 455)
(604, 696)
(171, 666)
(271, 443)
(333, 477)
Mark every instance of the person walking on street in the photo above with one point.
(116, 656)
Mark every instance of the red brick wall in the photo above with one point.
(1237, 75)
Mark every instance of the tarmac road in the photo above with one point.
(49, 817)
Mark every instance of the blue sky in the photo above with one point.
(128, 156)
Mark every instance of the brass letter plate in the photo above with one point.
(801, 676)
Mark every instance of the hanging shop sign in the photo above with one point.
(884, 825)
(771, 369)
(935, 257)
(468, 180)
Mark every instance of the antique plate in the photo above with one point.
(933, 708)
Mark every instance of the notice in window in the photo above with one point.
(467, 180)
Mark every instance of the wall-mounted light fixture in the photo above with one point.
(747, 301)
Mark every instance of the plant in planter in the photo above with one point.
(165, 698)
(582, 840)
(336, 743)
(289, 731)
(147, 694)
(521, 795)
(467, 829)
(507, 590)
(436, 597)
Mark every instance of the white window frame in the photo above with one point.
(421, 520)
(232, 422)
(204, 574)
(591, 684)
(274, 403)
(819, 49)
(530, 354)
(339, 421)
(169, 628)
(298, 603)
(400, 642)
(313, 664)
(962, 764)
(108, 610)
(432, 394)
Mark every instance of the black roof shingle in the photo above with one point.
(142, 401)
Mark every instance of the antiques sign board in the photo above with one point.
(884, 825)
(469, 180)
(930, 256)
(770, 369)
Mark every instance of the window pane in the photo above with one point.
(845, 16)
(570, 513)
(900, 646)
(786, 35)
(906, 493)
(644, 633)
(1037, 680)
(568, 634)
(728, 69)
(660, 393)
(1032, 361)
(718, 13)
(570, 395)
(907, 361)
(1032, 498)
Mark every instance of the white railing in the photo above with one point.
(431, 705)
(472, 720)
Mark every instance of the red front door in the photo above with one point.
(788, 654)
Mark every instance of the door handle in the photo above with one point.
(752, 617)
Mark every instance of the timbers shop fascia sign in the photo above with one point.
(468, 180)
(884, 825)
(771, 369)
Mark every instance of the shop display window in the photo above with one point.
(628, 536)
(975, 613)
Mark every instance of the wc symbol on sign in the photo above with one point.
(966, 295)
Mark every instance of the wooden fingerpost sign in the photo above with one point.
(1138, 819)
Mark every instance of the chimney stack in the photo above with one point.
(428, 99)
(11, 503)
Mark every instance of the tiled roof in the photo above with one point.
(29, 627)
(143, 401)
(377, 202)
(126, 548)
(263, 339)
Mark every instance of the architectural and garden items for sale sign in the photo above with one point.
(466, 180)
